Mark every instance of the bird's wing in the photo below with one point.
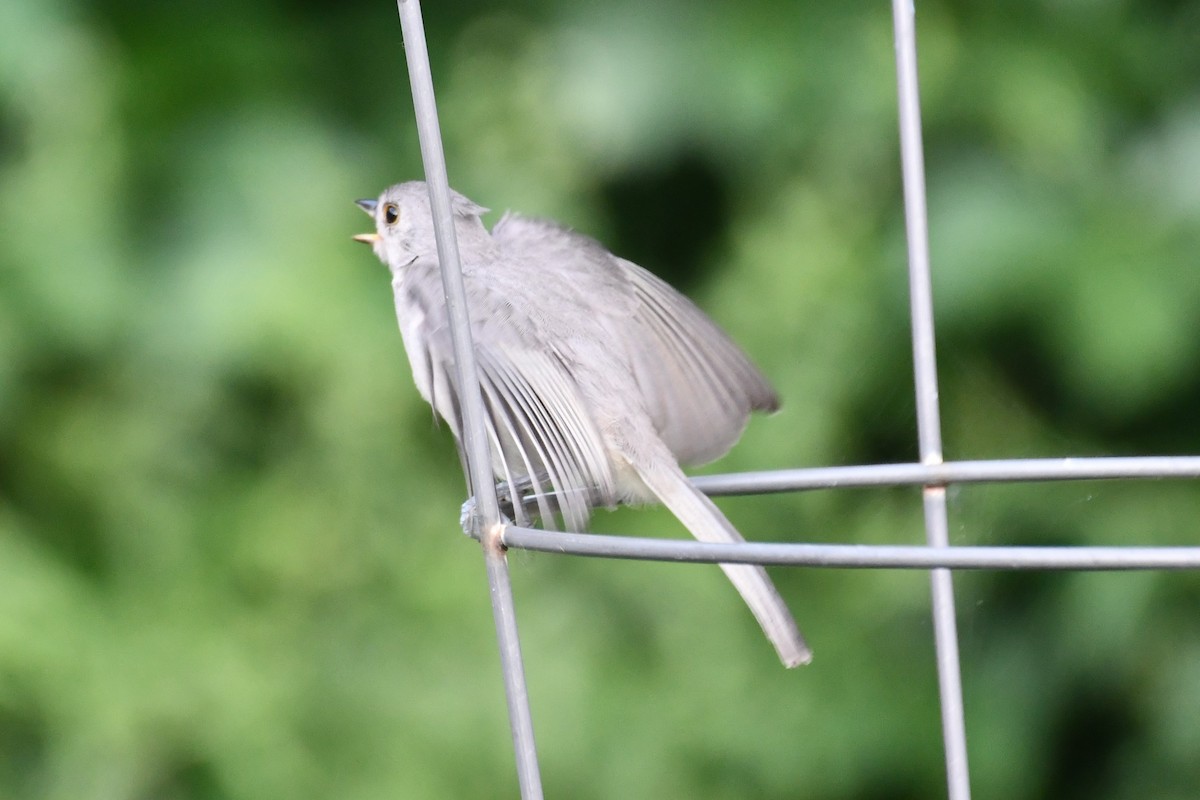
(539, 430)
(697, 385)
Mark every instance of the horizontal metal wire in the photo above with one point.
(943, 474)
(855, 555)
(999, 471)
(1083, 557)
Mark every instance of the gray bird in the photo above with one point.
(598, 379)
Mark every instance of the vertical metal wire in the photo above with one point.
(429, 132)
(515, 690)
(925, 378)
(475, 443)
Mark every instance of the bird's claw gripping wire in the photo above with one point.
(516, 503)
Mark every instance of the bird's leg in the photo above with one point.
(516, 501)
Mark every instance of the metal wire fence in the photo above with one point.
(932, 473)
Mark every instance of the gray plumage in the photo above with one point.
(599, 380)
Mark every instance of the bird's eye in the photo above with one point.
(391, 213)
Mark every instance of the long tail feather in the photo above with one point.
(708, 524)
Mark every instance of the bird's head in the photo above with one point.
(404, 223)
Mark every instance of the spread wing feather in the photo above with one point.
(538, 427)
(543, 438)
(698, 386)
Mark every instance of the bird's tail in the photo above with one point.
(708, 524)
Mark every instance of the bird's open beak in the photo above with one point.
(369, 207)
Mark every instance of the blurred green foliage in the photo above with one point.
(229, 565)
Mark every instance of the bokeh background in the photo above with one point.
(230, 565)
